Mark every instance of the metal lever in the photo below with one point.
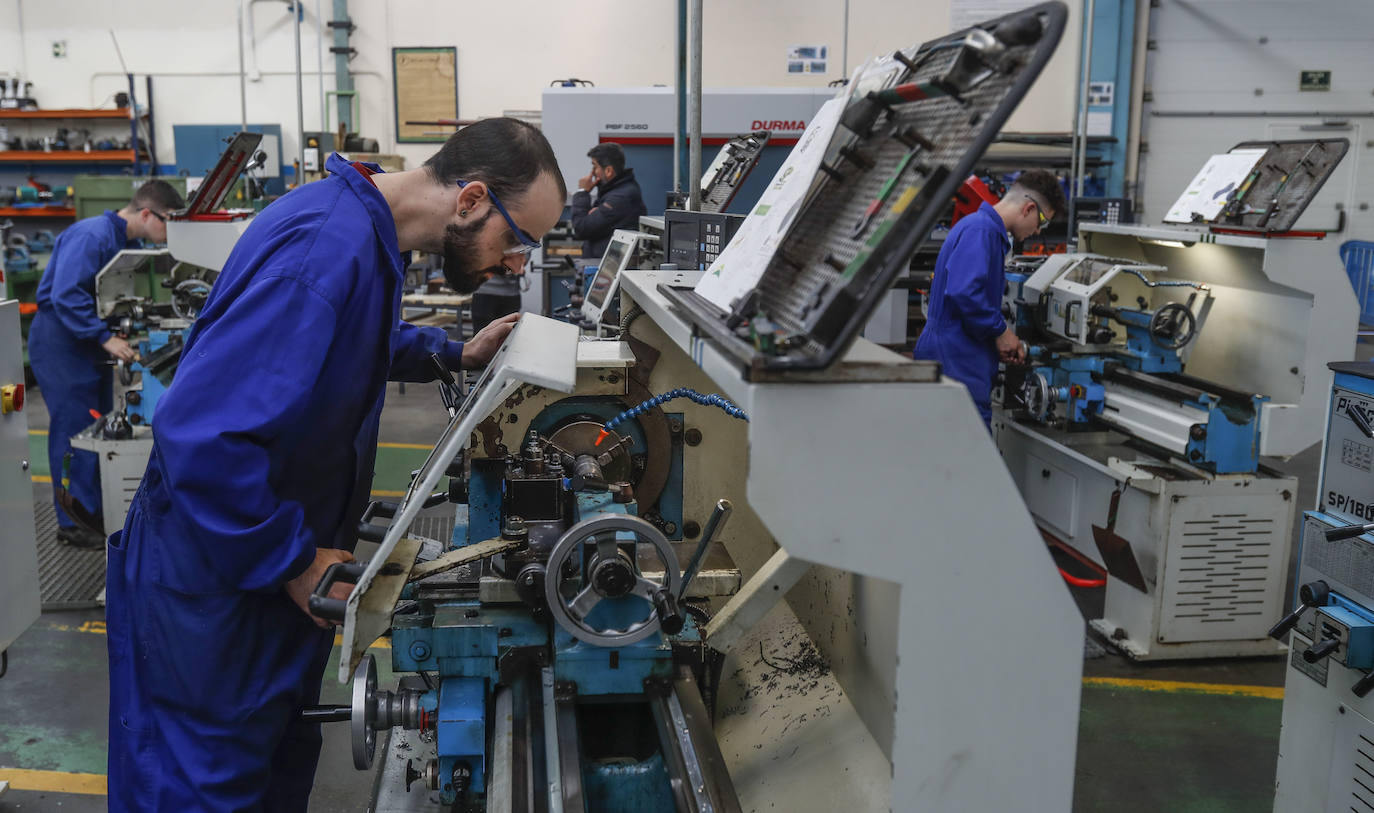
(387, 509)
(1347, 532)
(326, 714)
(1321, 649)
(1363, 685)
(1360, 420)
(713, 526)
(1312, 594)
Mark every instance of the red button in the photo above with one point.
(11, 398)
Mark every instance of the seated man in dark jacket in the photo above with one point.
(607, 199)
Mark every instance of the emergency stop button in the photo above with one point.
(11, 398)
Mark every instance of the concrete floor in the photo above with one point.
(1142, 746)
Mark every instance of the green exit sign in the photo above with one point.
(1314, 80)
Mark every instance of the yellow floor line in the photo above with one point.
(98, 628)
(90, 784)
(388, 493)
(38, 431)
(41, 478)
(1267, 692)
(424, 446)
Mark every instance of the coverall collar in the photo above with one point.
(382, 220)
(991, 212)
(121, 227)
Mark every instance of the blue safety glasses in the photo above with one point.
(527, 243)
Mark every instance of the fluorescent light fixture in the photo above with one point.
(1170, 243)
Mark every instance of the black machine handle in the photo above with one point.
(1321, 649)
(387, 509)
(1312, 594)
(333, 609)
(670, 618)
(1347, 532)
(1363, 685)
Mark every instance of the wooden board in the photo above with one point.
(426, 86)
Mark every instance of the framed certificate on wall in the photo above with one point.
(425, 82)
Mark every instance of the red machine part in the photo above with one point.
(972, 194)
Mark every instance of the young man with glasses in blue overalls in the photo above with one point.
(965, 330)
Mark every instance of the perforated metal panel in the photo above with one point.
(1224, 569)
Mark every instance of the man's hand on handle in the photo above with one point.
(120, 349)
(478, 350)
(300, 588)
(1009, 347)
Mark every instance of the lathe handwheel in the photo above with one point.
(363, 719)
(1173, 326)
(571, 613)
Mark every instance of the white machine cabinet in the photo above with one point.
(18, 552)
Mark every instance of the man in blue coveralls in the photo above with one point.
(71, 350)
(263, 456)
(965, 330)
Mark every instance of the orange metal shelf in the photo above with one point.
(37, 211)
(67, 156)
(74, 113)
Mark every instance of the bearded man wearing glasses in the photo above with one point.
(263, 457)
(965, 330)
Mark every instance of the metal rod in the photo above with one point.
(319, 59)
(1134, 125)
(243, 75)
(679, 93)
(296, 11)
(844, 44)
(552, 763)
(694, 109)
(713, 526)
(1089, 20)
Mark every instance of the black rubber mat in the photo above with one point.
(68, 578)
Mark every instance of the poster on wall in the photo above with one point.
(807, 58)
(426, 89)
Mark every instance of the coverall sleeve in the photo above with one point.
(411, 348)
(591, 222)
(973, 287)
(73, 289)
(240, 395)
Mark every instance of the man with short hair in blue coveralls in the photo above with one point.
(263, 457)
(72, 350)
(965, 330)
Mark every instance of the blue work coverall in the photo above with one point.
(964, 315)
(72, 369)
(263, 451)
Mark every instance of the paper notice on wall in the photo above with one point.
(1206, 196)
(741, 264)
(807, 58)
(966, 13)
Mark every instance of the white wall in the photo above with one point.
(508, 51)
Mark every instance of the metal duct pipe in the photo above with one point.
(694, 108)
(297, 10)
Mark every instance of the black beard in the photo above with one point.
(460, 249)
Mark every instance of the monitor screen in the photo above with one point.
(605, 273)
